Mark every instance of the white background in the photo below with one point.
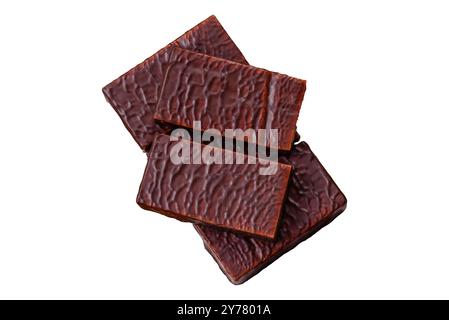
(375, 113)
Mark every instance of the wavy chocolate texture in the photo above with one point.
(313, 200)
(284, 103)
(227, 95)
(134, 95)
(221, 94)
(209, 37)
(232, 196)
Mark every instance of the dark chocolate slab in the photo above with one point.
(134, 95)
(231, 196)
(313, 200)
(223, 94)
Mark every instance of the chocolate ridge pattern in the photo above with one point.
(224, 94)
(134, 94)
(232, 196)
(312, 202)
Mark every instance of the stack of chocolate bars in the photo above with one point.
(247, 213)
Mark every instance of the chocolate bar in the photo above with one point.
(134, 95)
(232, 196)
(223, 94)
(313, 200)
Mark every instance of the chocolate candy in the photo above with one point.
(134, 95)
(313, 200)
(227, 95)
(232, 196)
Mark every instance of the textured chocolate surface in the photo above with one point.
(313, 200)
(222, 95)
(134, 95)
(227, 95)
(232, 196)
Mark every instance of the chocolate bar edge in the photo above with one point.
(245, 277)
(294, 133)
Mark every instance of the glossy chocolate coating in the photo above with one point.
(134, 95)
(231, 196)
(227, 95)
(313, 200)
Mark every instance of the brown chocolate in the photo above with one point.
(227, 95)
(232, 196)
(313, 200)
(134, 95)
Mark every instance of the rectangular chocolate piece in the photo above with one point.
(313, 200)
(223, 94)
(134, 95)
(232, 196)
